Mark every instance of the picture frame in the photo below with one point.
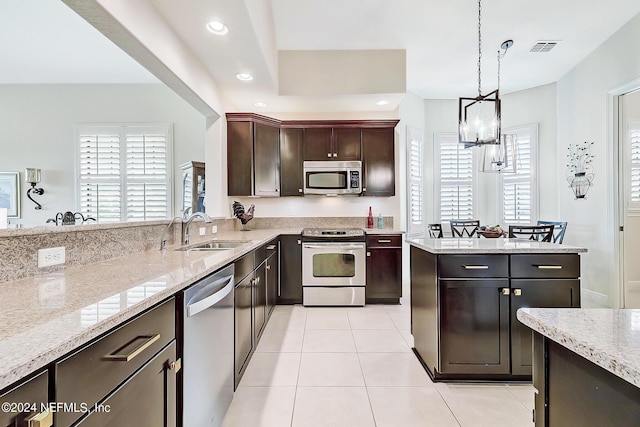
(10, 193)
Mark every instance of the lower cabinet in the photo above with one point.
(243, 325)
(272, 270)
(27, 401)
(384, 269)
(290, 285)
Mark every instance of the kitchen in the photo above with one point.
(555, 106)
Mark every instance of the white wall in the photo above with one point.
(535, 105)
(37, 129)
(583, 115)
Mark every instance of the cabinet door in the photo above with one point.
(240, 158)
(384, 274)
(266, 160)
(243, 325)
(260, 301)
(148, 398)
(317, 144)
(272, 282)
(537, 293)
(290, 287)
(291, 175)
(34, 391)
(378, 162)
(474, 326)
(346, 144)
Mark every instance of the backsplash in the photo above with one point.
(86, 244)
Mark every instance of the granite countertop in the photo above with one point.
(45, 317)
(489, 246)
(609, 338)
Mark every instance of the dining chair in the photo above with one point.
(464, 228)
(435, 231)
(541, 233)
(559, 227)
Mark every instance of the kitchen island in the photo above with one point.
(464, 297)
(587, 366)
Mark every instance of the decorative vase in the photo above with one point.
(580, 183)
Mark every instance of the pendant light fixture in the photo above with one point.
(479, 117)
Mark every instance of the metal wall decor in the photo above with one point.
(579, 170)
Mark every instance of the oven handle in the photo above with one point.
(334, 246)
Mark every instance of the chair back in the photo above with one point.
(466, 228)
(559, 228)
(541, 233)
(435, 231)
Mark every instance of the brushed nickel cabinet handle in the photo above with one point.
(175, 366)
(271, 247)
(41, 419)
(476, 267)
(506, 291)
(299, 190)
(364, 189)
(328, 154)
(368, 253)
(335, 154)
(147, 341)
(384, 241)
(517, 292)
(299, 242)
(548, 267)
(268, 267)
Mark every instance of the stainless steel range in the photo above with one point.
(333, 266)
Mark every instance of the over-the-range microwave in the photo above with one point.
(333, 177)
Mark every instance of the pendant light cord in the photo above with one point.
(479, 47)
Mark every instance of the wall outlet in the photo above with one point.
(202, 231)
(51, 256)
(214, 229)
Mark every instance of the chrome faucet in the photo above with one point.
(187, 223)
(163, 238)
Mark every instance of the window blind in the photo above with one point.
(518, 204)
(125, 172)
(635, 166)
(455, 179)
(415, 181)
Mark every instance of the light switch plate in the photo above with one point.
(202, 231)
(51, 256)
(214, 229)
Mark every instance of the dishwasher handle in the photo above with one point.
(203, 304)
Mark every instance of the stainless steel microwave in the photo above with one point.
(333, 177)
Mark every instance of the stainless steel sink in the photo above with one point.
(217, 245)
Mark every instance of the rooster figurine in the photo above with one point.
(244, 217)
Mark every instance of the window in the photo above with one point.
(415, 183)
(124, 172)
(454, 176)
(519, 201)
(634, 159)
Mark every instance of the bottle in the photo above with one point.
(370, 219)
(380, 221)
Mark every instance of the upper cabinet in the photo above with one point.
(265, 156)
(328, 143)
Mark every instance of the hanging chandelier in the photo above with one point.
(479, 117)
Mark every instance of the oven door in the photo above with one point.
(333, 264)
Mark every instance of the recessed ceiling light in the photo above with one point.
(245, 77)
(217, 27)
(260, 104)
(382, 102)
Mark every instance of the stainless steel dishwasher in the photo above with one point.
(208, 353)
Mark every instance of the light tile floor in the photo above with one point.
(318, 366)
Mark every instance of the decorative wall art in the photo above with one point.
(10, 193)
(579, 170)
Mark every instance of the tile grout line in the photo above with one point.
(295, 394)
(364, 379)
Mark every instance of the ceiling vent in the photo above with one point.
(542, 46)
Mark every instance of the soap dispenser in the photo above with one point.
(380, 221)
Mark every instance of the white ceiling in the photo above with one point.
(53, 45)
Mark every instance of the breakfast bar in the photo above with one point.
(464, 297)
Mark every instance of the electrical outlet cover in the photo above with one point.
(51, 256)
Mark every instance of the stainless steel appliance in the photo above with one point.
(208, 349)
(333, 266)
(333, 177)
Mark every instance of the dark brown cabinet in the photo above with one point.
(260, 300)
(291, 158)
(378, 162)
(464, 309)
(253, 156)
(272, 274)
(327, 143)
(290, 286)
(25, 401)
(384, 269)
(243, 314)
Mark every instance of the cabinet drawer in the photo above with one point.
(384, 240)
(244, 266)
(91, 373)
(472, 266)
(553, 266)
(32, 394)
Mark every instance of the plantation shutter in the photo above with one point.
(415, 199)
(125, 172)
(635, 166)
(518, 187)
(455, 178)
